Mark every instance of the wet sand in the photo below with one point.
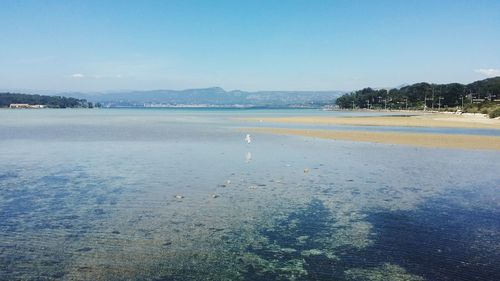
(422, 120)
(411, 139)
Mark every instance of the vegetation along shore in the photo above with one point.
(478, 97)
(29, 101)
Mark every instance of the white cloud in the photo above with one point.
(95, 76)
(489, 72)
(77, 75)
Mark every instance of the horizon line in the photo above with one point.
(228, 91)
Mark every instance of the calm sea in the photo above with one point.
(171, 194)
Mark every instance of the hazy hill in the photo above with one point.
(212, 96)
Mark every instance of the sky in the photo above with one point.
(251, 45)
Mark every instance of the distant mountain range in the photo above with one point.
(210, 97)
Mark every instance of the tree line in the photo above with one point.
(50, 101)
(423, 95)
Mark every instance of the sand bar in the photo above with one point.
(425, 120)
(411, 139)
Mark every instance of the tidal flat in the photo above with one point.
(159, 194)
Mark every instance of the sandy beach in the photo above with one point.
(411, 139)
(420, 120)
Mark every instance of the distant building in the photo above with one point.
(494, 98)
(19, 105)
(478, 98)
(25, 105)
(38, 106)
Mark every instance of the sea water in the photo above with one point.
(171, 194)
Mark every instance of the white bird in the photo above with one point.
(248, 139)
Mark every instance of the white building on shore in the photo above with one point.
(25, 105)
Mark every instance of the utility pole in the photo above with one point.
(406, 103)
(425, 102)
(352, 105)
(385, 102)
(386, 96)
(439, 101)
(433, 97)
(463, 95)
(368, 101)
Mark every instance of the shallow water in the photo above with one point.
(91, 195)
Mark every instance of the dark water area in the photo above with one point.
(439, 242)
(436, 241)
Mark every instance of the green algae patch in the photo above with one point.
(385, 272)
(295, 247)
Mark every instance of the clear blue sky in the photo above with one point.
(248, 45)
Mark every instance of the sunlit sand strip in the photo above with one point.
(412, 139)
(428, 120)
